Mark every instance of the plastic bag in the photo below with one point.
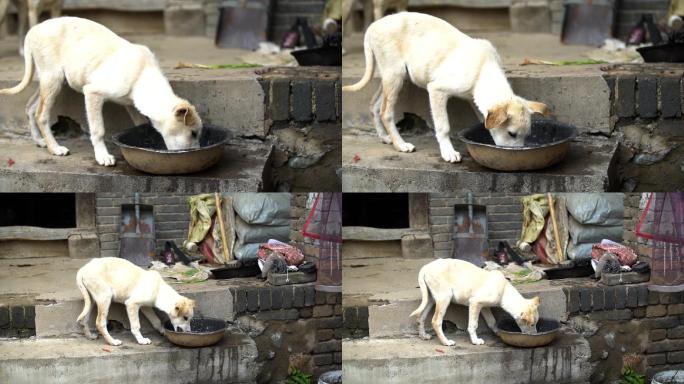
(606, 209)
(593, 233)
(247, 233)
(263, 208)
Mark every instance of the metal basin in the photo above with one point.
(509, 332)
(144, 149)
(205, 331)
(547, 144)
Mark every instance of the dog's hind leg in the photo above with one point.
(133, 310)
(473, 317)
(376, 105)
(421, 319)
(489, 319)
(103, 302)
(31, 109)
(56, 9)
(438, 105)
(392, 81)
(441, 305)
(94, 102)
(50, 85)
(153, 318)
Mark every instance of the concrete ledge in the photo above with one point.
(78, 360)
(380, 168)
(413, 360)
(243, 168)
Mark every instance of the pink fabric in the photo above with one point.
(292, 255)
(624, 254)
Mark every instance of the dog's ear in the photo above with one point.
(186, 113)
(538, 107)
(496, 116)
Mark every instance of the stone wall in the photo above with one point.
(504, 217)
(630, 11)
(628, 325)
(292, 325)
(646, 113)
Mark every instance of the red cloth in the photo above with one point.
(292, 255)
(624, 254)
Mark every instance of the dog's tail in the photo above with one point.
(424, 293)
(28, 72)
(370, 66)
(86, 295)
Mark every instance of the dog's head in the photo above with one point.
(527, 321)
(183, 128)
(182, 314)
(510, 122)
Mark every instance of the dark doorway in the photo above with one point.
(377, 210)
(46, 210)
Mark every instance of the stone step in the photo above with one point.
(577, 97)
(391, 319)
(368, 165)
(244, 167)
(412, 360)
(79, 360)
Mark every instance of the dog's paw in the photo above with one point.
(91, 337)
(144, 341)
(450, 343)
(59, 150)
(477, 341)
(451, 155)
(40, 143)
(426, 336)
(105, 159)
(115, 342)
(406, 147)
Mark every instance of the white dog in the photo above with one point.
(29, 11)
(111, 279)
(438, 57)
(104, 67)
(458, 281)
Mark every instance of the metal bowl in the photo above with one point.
(205, 331)
(144, 149)
(509, 332)
(547, 144)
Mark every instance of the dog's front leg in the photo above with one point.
(133, 317)
(94, 102)
(438, 105)
(473, 317)
(489, 319)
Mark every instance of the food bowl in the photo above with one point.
(509, 332)
(205, 331)
(144, 149)
(547, 144)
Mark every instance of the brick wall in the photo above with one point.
(355, 322)
(292, 325)
(503, 215)
(17, 321)
(171, 215)
(629, 325)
